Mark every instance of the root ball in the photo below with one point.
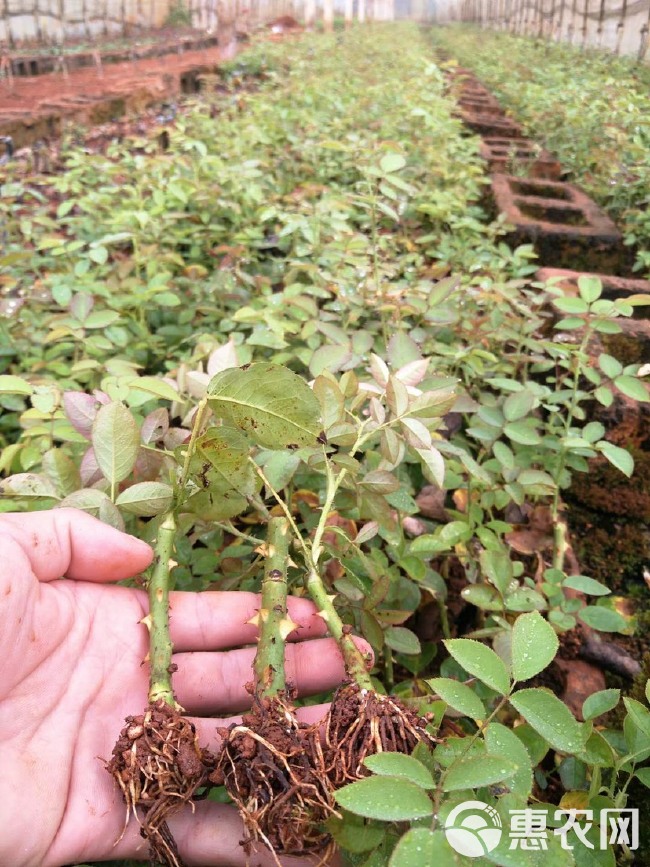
(361, 723)
(272, 767)
(159, 766)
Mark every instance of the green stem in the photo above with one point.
(559, 526)
(594, 786)
(444, 618)
(258, 504)
(353, 658)
(228, 527)
(160, 645)
(355, 664)
(560, 544)
(333, 484)
(282, 505)
(389, 671)
(273, 616)
(461, 755)
(197, 423)
(621, 797)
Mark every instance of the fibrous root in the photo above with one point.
(159, 766)
(272, 767)
(360, 723)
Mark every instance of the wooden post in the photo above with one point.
(560, 25)
(310, 14)
(645, 41)
(572, 22)
(620, 27)
(585, 24)
(328, 15)
(226, 14)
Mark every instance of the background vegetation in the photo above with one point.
(321, 213)
(589, 108)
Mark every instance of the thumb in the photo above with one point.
(70, 543)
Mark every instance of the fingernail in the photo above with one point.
(143, 546)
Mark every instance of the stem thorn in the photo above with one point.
(146, 621)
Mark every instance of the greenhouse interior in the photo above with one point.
(325, 433)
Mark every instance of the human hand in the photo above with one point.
(71, 656)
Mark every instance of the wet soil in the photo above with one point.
(361, 723)
(33, 108)
(159, 767)
(272, 767)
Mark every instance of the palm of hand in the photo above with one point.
(78, 655)
(72, 660)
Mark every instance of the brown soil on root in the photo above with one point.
(159, 766)
(272, 767)
(361, 723)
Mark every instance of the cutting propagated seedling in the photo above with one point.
(157, 761)
(272, 765)
(361, 721)
(274, 768)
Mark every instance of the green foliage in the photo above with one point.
(586, 107)
(274, 406)
(391, 799)
(423, 846)
(481, 661)
(600, 702)
(266, 319)
(178, 15)
(495, 766)
(533, 647)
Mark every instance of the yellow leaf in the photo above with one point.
(574, 801)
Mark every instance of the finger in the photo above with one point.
(209, 836)
(67, 542)
(210, 739)
(217, 620)
(208, 683)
